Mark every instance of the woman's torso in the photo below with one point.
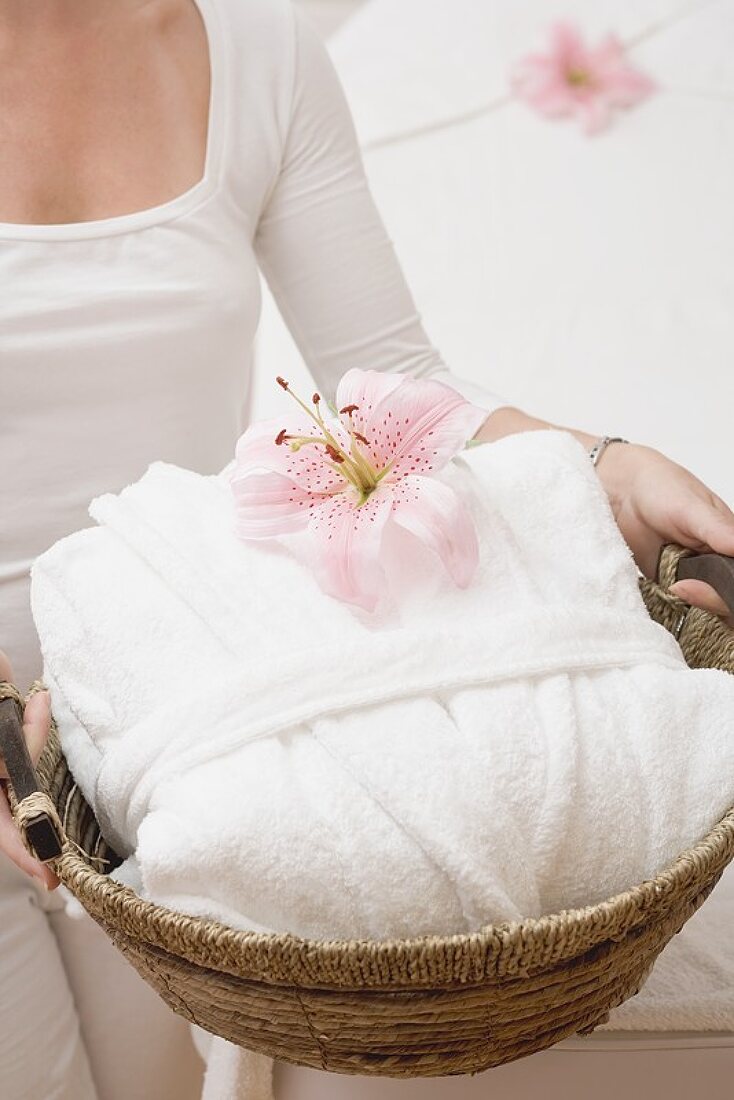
(128, 337)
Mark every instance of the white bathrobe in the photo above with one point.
(265, 754)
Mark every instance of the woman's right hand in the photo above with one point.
(36, 725)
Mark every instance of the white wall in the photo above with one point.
(650, 361)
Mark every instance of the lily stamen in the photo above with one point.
(316, 417)
(354, 466)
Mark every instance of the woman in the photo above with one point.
(156, 153)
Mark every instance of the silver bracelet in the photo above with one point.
(601, 445)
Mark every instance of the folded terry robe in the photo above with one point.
(272, 757)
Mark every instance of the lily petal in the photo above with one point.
(547, 92)
(420, 426)
(308, 467)
(574, 77)
(567, 46)
(434, 513)
(268, 504)
(361, 391)
(365, 389)
(607, 56)
(622, 85)
(626, 87)
(594, 113)
(537, 80)
(344, 546)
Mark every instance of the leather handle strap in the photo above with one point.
(677, 563)
(34, 813)
(715, 569)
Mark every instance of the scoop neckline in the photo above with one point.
(173, 208)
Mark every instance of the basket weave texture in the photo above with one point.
(429, 1006)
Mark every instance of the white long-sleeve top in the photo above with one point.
(130, 338)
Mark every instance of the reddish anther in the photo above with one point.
(281, 382)
(349, 409)
(316, 398)
(361, 438)
(333, 453)
(281, 436)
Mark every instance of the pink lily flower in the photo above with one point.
(342, 480)
(576, 79)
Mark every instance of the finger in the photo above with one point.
(36, 726)
(37, 723)
(14, 848)
(702, 595)
(6, 669)
(52, 879)
(708, 524)
(6, 673)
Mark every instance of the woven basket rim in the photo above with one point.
(510, 949)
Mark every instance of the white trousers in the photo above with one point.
(76, 1021)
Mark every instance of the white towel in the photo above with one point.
(271, 757)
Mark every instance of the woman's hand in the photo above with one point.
(36, 725)
(654, 501)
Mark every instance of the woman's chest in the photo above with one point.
(123, 349)
(104, 118)
(182, 290)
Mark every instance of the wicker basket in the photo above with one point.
(422, 1007)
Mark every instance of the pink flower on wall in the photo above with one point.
(342, 479)
(575, 79)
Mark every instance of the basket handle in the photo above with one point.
(38, 824)
(716, 569)
(678, 563)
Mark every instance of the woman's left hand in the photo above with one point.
(656, 501)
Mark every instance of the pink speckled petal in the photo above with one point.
(345, 544)
(420, 427)
(396, 415)
(268, 504)
(309, 468)
(365, 389)
(434, 513)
